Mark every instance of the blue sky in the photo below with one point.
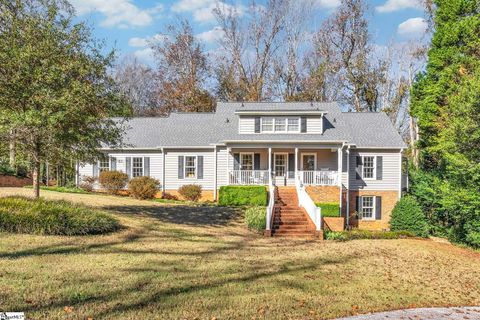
(127, 24)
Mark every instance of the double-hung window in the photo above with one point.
(104, 164)
(267, 124)
(280, 125)
(137, 167)
(368, 207)
(190, 167)
(293, 125)
(246, 161)
(369, 167)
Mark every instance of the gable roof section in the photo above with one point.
(367, 130)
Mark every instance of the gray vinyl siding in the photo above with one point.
(246, 125)
(391, 171)
(222, 170)
(314, 125)
(172, 182)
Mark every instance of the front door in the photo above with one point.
(280, 168)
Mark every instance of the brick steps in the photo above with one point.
(289, 220)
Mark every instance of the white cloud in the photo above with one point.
(328, 4)
(212, 35)
(118, 13)
(395, 5)
(138, 42)
(145, 54)
(202, 10)
(413, 27)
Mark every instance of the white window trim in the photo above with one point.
(275, 163)
(143, 166)
(253, 159)
(99, 167)
(314, 154)
(185, 167)
(374, 208)
(285, 118)
(374, 168)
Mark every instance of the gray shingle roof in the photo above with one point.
(205, 129)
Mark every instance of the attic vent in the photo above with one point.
(311, 103)
(243, 105)
(334, 120)
(227, 120)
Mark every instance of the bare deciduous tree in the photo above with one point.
(182, 71)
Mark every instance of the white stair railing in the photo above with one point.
(271, 205)
(248, 177)
(318, 178)
(307, 203)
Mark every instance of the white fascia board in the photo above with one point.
(280, 112)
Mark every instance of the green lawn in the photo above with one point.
(174, 261)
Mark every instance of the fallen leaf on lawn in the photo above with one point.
(68, 309)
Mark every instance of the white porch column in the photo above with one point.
(215, 174)
(340, 169)
(347, 216)
(296, 164)
(270, 166)
(228, 165)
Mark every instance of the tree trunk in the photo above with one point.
(36, 170)
(12, 149)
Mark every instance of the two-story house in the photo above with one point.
(324, 154)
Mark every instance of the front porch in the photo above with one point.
(283, 166)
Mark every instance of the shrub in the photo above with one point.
(243, 195)
(408, 216)
(169, 196)
(192, 192)
(40, 216)
(255, 218)
(113, 181)
(5, 169)
(88, 183)
(366, 234)
(329, 209)
(143, 187)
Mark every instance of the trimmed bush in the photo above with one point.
(243, 196)
(408, 216)
(255, 218)
(365, 234)
(113, 181)
(192, 192)
(6, 170)
(143, 187)
(329, 209)
(40, 216)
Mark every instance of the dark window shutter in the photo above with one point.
(128, 166)
(146, 166)
(379, 168)
(236, 161)
(95, 169)
(378, 208)
(180, 167)
(113, 164)
(200, 167)
(257, 124)
(303, 124)
(358, 168)
(357, 205)
(256, 161)
(291, 165)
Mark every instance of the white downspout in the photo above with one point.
(270, 166)
(163, 172)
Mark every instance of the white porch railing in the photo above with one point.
(307, 203)
(249, 177)
(318, 178)
(270, 208)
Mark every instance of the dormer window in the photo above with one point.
(280, 125)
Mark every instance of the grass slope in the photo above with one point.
(184, 262)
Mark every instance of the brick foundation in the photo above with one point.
(389, 199)
(207, 195)
(330, 194)
(334, 223)
(11, 181)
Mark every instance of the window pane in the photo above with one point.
(267, 124)
(190, 167)
(104, 165)
(280, 124)
(246, 161)
(137, 167)
(368, 167)
(293, 124)
(367, 207)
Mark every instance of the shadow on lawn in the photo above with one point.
(188, 215)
